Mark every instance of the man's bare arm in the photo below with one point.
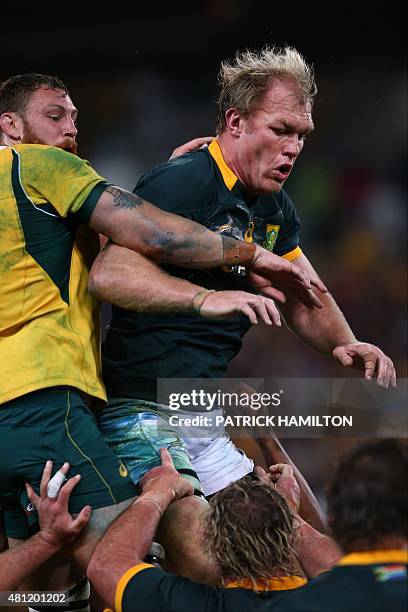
(309, 509)
(316, 552)
(167, 238)
(130, 280)
(162, 236)
(123, 546)
(327, 331)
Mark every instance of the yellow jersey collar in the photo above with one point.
(227, 174)
(370, 557)
(285, 583)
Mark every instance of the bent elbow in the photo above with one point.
(97, 283)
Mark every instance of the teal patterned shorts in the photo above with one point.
(136, 430)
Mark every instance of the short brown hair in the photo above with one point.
(16, 91)
(244, 81)
(367, 497)
(249, 531)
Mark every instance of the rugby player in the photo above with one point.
(367, 509)
(235, 188)
(251, 529)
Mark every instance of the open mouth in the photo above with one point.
(282, 172)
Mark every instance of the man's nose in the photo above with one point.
(293, 145)
(70, 128)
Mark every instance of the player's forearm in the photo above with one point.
(316, 552)
(18, 563)
(129, 280)
(310, 510)
(125, 544)
(322, 329)
(164, 237)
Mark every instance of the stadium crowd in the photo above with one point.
(234, 536)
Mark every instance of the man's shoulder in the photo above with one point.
(189, 171)
(183, 184)
(45, 155)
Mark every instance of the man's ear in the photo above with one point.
(235, 122)
(12, 127)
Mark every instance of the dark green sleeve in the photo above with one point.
(152, 589)
(182, 185)
(288, 237)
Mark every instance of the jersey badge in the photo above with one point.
(271, 236)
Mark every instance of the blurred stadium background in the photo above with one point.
(145, 81)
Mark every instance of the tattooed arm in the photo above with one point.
(161, 236)
(164, 237)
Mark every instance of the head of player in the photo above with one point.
(368, 499)
(264, 114)
(37, 109)
(249, 532)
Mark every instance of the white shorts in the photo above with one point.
(218, 462)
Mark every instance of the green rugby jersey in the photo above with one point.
(146, 588)
(141, 348)
(372, 581)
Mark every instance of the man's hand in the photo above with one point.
(229, 303)
(191, 145)
(369, 358)
(281, 477)
(57, 525)
(165, 479)
(279, 278)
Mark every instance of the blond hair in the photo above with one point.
(249, 532)
(244, 81)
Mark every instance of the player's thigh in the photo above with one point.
(136, 431)
(56, 424)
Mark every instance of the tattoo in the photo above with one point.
(124, 199)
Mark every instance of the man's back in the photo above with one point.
(372, 581)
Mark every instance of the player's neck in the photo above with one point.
(228, 149)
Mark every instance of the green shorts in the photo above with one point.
(136, 430)
(55, 424)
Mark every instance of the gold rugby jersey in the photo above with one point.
(49, 323)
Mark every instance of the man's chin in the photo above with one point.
(71, 149)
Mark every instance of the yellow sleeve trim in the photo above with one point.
(293, 254)
(122, 584)
(227, 174)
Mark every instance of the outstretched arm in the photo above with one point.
(327, 331)
(123, 546)
(274, 453)
(309, 508)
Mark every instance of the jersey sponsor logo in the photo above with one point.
(29, 508)
(122, 470)
(271, 236)
(389, 573)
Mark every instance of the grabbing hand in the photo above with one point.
(166, 479)
(369, 358)
(229, 303)
(57, 526)
(281, 477)
(278, 278)
(191, 145)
